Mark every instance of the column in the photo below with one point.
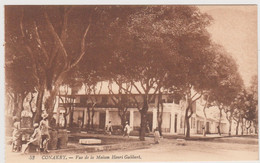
(131, 118)
(85, 116)
(154, 118)
(107, 117)
(172, 122)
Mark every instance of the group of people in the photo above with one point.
(39, 139)
(127, 129)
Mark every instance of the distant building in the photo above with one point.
(106, 110)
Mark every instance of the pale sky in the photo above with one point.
(235, 28)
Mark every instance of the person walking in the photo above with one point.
(156, 136)
(45, 136)
(109, 128)
(127, 130)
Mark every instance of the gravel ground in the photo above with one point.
(167, 150)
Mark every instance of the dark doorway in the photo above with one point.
(102, 120)
(128, 117)
(207, 127)
(175, 123)
(149, 120)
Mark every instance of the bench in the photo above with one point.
(89, 141)
(181, 142)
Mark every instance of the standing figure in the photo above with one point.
(127, 129)
(45, 136)
(147, 127)
(219, 130)
(109, 128)
(16, 136)
(156, 136)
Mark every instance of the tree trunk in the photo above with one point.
(237, 127)
(143, 119)
(242, 127)
(88, 124)
(83, 119)
(71, 117)
(160, 113)
(143, 126)
(65, 120)
(187, 123)
(219, 122)
(122, 114)
(18, 105)
(123, 120)
(230, 127)
(205, 123)
(50, 102)
(92, 117)
(205, 116)
(256, 128)
(247, 128)
(33, 112)
(37, 117)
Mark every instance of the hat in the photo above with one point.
(15, 118)
(35, 125)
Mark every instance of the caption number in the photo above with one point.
(31, 157)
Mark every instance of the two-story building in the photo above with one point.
(106, 110)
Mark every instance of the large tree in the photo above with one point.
(55, 39)
(45, 34)
(162, 42)
(228, 82)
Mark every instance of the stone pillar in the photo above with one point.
(131, 118)
(172, 122)
(107, 117)
(85, 116)
(154, 118)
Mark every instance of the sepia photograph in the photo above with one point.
(130, 83)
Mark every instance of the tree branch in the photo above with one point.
(83, 46)
(137, 104)
(56, 37)
(136, 88)
(35, 74)
(197, 98)
(38, 39)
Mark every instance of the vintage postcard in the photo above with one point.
(130, 83)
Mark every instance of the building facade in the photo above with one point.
(106, 109)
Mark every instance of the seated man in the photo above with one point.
(35, 139)
(16, 136)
